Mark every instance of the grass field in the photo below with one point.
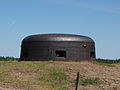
(32, 75)
(58, 75)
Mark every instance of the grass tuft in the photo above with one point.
(90, 81)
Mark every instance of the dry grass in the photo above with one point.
(58, 75)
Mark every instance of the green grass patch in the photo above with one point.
(55, 78)
(12, 72)
(87, 81)
(4, 77)
(90, 81)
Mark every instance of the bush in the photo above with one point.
(2, 58)
(109, 61)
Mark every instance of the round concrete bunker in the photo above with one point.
(57, 47)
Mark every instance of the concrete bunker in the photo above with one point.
(57, 47)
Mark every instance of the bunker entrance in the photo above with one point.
(61, 54)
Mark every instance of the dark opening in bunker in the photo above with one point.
(61, 54)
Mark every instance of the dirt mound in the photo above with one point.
(29, 75)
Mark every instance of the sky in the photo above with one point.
(98, 19)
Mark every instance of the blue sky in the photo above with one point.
(98, 19)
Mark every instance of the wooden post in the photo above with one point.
(77, 81)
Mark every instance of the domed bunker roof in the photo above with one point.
(57, 37)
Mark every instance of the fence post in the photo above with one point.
(77, 81)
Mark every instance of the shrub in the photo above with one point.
(108, 61)
(2, 58)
